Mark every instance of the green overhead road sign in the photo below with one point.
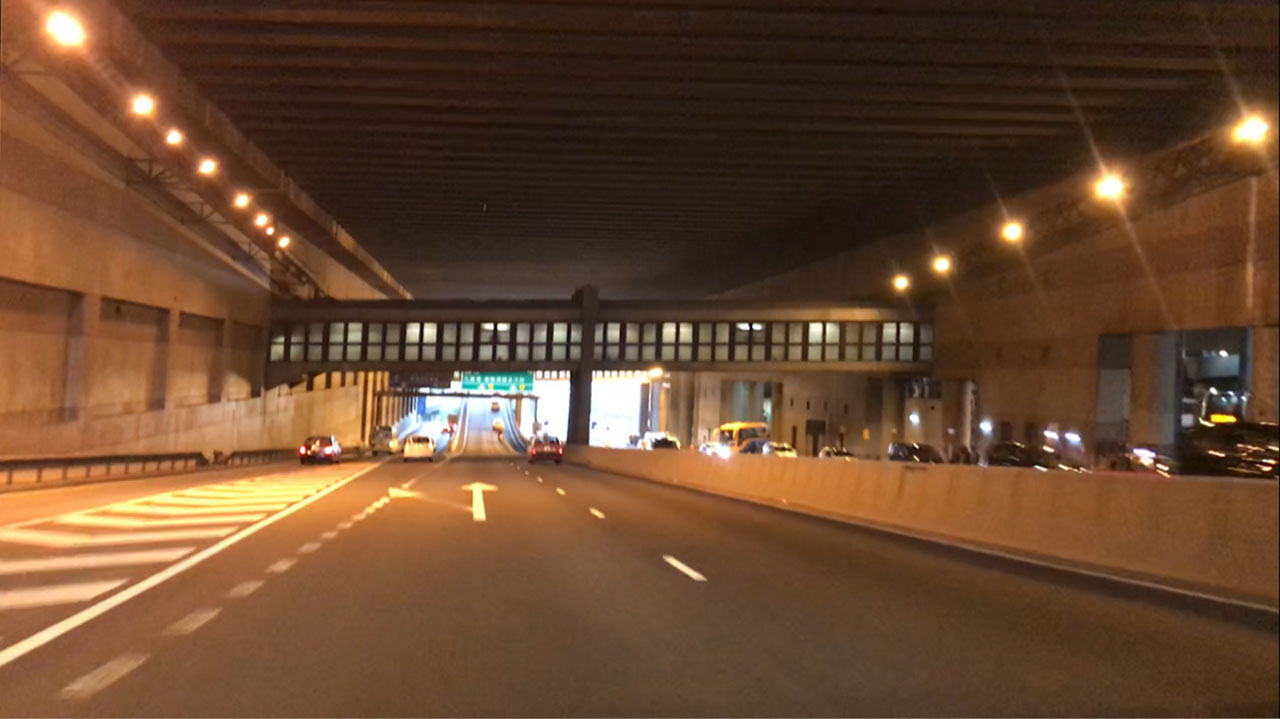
(498, 381)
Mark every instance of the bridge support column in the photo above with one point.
(85, 320)
(588, 299)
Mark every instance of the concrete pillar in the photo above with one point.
(891, 414)
(85, 318)
(1264, 391)
(755, 401)
(1153, 407)
(661, 393)
(588, 300)
(221, 364)
(163, 383)
(646, 403)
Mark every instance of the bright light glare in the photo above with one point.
(271, 231)
(143, 105)
(1011, 232)
(241, 200)
(283, 242)
(64, 29)
(914, 418)
(173, 137)
(986, 427)
(1109, 187)
(261, 220)
(1051, 435)
(207, 166)
(1224, 354)
(655, 373)
(722, 451)
(1073, 437)
(942, 264)
(901, 282)
(1251, 131)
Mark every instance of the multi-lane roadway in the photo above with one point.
(484, 586)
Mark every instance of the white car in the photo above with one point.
(419, 447)
(778, 449)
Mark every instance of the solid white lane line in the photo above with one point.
(48, 634)
(329, 534)
(688, 571)
(282, 566)
(93, 561)
(52, 594)
(560, 491)
(48, 538)
(245, 588)
(596, 513)
(98, 520)
(308, 548)
(191, 622)
(102, 677)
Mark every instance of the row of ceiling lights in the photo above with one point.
(1110, 187)
(68, 32)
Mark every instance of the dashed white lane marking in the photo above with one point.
(559, 491)
(55, 594)
(93, 561)
(688, 571)
(345, 524)
(282, 566)
(245, 588)
(329, 534)
(308, 548)
(596, 513)
(191, 622)
(102, 677)
(539, 480)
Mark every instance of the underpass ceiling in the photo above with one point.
(657, 148)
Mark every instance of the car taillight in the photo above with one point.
(328, 450)
(559, 450)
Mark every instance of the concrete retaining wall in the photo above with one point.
(266, 422)
(1207, 534)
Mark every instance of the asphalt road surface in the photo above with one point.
(487, 587)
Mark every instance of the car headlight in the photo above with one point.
(722, 452)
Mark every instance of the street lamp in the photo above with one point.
(64, 29)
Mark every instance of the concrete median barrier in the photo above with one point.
(1211, 535)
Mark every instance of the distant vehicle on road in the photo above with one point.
(498, 427)
(835, 453)
(914, 452)
(319, 448)
(546, 448)
(495, 406)
(419, 447)
(735, 434)
(1244, 449)
(664, 443)
(383, 441)
(778, 449)
(1017, 454)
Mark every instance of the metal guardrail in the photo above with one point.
(43, 470)
(257, 456)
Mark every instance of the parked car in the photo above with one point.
(835, 453)
(419, 447)
(495, 406)
(1245, 449)
(1017, 454)
(319, 448)
(382, 440)
(546, 448)
(915, 452)
(778, 449)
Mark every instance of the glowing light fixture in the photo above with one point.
(1252, 130)
(64, 29)
(942, 264)
(1109, 187)
(283, 242)
(261, 220)
(207, 166)
(270, 231)
(914, 418)
(173, 137)
(986, 427)
(1011, 232)
(901, 282)
(656, 373)
(1073, 437)
(241, 200)
(143, 105)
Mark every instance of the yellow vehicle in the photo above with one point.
(731, 436)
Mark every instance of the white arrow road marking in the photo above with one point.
(93, 561)
(45, 538)
(103, 677)
(55, 594)
(477, 490)
(191, 622)
(98, 520)
(688, 571)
